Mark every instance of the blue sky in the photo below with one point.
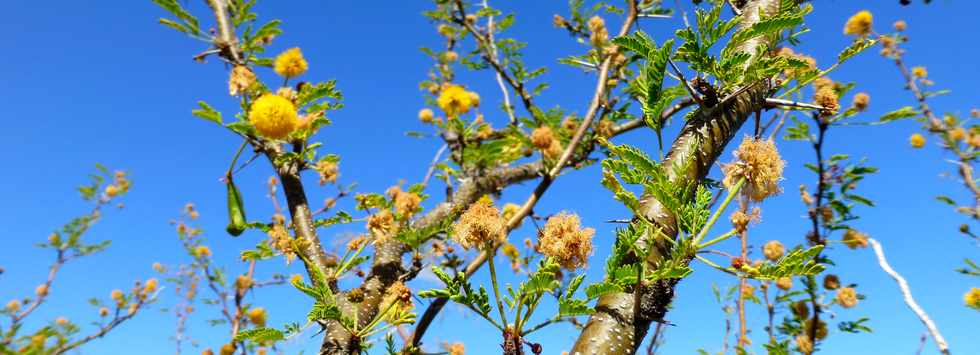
(88, 82)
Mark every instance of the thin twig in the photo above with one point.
(907, 296)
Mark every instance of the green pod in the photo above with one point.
(236, 210)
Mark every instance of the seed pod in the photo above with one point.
(236, 210)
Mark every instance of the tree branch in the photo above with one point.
(907, 295)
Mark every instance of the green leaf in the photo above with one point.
(207, 112)
(904, 112)
(855, 48)
(598, 289)
(260, 335)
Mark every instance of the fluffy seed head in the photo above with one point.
(784, 283)
(273, 116)
(854, 239)
(480, 225)
(861, 101)
(847, 297)
(240, 80)
(291, 63)
(827, 97)
(566, 241)
(773, 250)
(759, 163)
(328, 170)
(831, 282)
(542, 137)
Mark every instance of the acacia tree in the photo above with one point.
(738, 56)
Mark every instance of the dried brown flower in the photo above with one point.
(564, 240)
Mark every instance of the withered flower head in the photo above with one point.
(759, 163)
(480, 225)
(564, 240)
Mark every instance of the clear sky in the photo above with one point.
(86, 82)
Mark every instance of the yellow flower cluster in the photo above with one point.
(455, 100)
(480, 225)
(859, 24)
(290, 63)
(564, 240)
(920, 72)
(273, 116)
(917, 140)
(202, 251)
(759, 163)
(972, 298)
(257, 316)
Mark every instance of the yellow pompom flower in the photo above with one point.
(41, 290)
(13, 306)
(273, 116)
(257, 316)
(227, 349)
(426, 115)
(291, 63)
(455, 100)
(296, 278)
(920, 72)
(62, 321)
(859, 24)
(917, 140)
(202, 251)
(972, 298)
(150, 286)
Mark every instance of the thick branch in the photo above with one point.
(615, 328)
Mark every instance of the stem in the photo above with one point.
(724, 204)
(718, 239)
(496, 289)
(340, 271)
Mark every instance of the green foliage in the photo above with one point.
(799, 262)
(260, 335)
(207, 112)
(185, 23)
